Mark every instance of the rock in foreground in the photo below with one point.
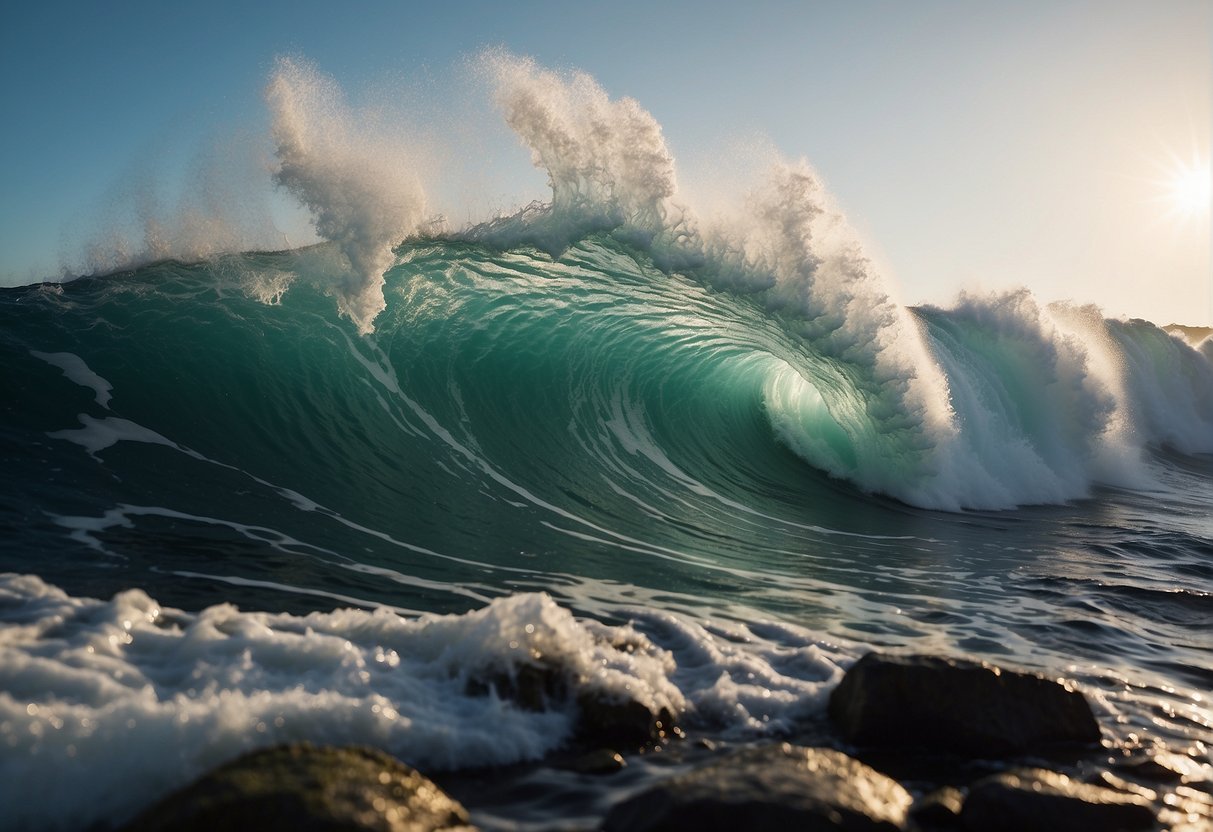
(956, 705)
(1034, 800)
(773, 788)
(604, 718)
(304, 787)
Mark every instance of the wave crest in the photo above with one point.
(358, 183)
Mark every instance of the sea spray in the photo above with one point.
(1169, 385)
(1032, 416)
(358, 183)
(607, 163)
(217, 206)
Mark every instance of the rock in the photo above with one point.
(622, 724)
(771, 788)
(603, 720)
(602, 761)
(970, 708)
(531, 686)
(939, 809)
(305, 787)
(1035, 800)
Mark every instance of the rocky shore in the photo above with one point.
(911, 743)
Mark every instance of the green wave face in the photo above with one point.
(519, 419)
(587, 414)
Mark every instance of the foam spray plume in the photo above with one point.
(357, 182)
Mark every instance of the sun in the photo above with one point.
(1189, 189)
(1186, 188)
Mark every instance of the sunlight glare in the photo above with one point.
(1188, 188)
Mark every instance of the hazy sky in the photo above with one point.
(973, 145)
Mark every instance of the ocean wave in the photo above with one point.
(996, 402)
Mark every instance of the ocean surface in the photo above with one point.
(257, 497)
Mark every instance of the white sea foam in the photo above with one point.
(877, 391)
(606, 159)
(1168, 385)
(181, 692)
(600, 154)
(1032, 416)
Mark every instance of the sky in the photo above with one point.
(975, 146)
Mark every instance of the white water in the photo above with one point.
(178, 693)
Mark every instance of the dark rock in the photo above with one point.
(531, 686)
(602, 761)
(622, 723)
(1035, 800)
(939, 809)
(954, 705)
(304, 787)
(604, 720)
(772, 788)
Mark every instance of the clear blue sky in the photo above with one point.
(980, 145)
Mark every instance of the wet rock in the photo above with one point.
(772, 788)
(622, 723)
(602, 761)
(955, 705)
(1035, 800)
(531, 686)
(939, 809)
(305, 787)
(604, 719)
